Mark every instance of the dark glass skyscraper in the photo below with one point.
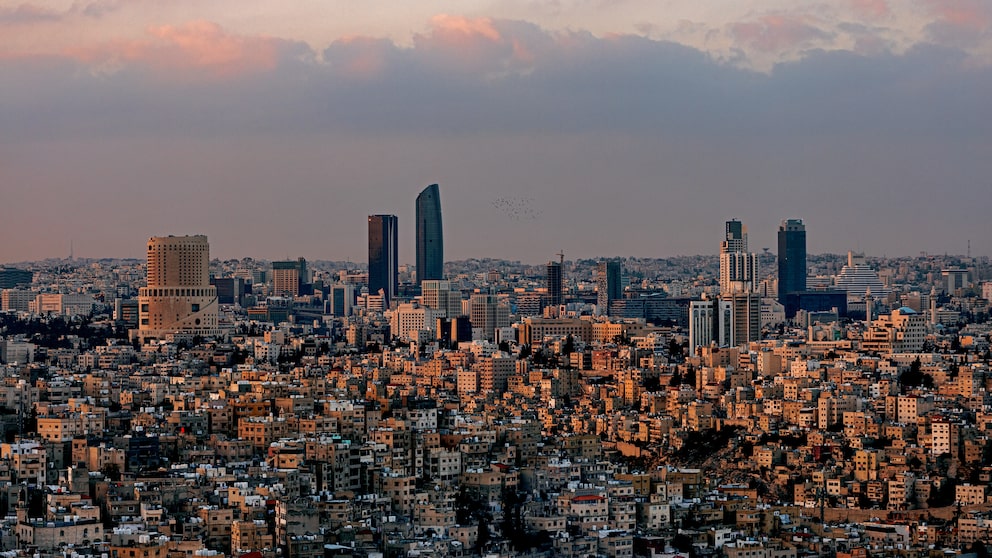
(430, 238)
(554, 284)
(791, 258)
(383, 256)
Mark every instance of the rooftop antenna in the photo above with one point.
(969, 248)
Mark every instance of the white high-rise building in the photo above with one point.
(710, 320)
(179, 298)
(738, 267)
(738, 285)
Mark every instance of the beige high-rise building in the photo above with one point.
(179, 298)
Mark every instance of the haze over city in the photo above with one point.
(601, 128)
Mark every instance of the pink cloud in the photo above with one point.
(457, 28)
(200, 46)
(777, 33)
(973, 15)
(480, 44)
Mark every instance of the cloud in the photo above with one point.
(777, 33)
(27, 14)
(200, 46)
(622, 129)
(959, 22)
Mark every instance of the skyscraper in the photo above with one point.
(430, 237)
(553, 284)
(791, 258)
(179, 298)
(609, 285)
(738, 267)
(383, 256)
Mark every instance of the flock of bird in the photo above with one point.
(517, 209)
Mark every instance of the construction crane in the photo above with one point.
(561, 257)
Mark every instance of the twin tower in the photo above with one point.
(383, 246)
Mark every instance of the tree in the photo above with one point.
(690, 376)
(674, 349)
(569, 346)
(524, 352)
(111, 471)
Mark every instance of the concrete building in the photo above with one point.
(290, 278)
(902, 331)
(179, 297)
(440, 297)
(487, 314)
(609, 285)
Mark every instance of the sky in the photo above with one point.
(594, 127)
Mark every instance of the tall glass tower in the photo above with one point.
(553, 284)
(430, 238)
(383, 256)
(791, 257)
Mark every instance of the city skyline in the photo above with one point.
(865, 118)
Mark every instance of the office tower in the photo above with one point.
(430, 237)
(735, 239)
(179, 298)
(290, 278)
(738, 282)
(609, 286)
(230, 290)
(16, 300)
(745, 308)
(553, 284)
(11, 277)
(341, 300)
(791, 258)
(440, 297)
(487, 314)
(383, 257)
(955, 278)
(738, 267)
(710, 320)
